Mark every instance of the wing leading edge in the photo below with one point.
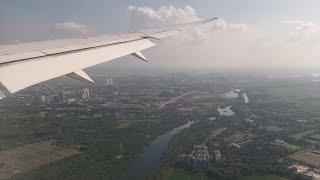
(26, 64)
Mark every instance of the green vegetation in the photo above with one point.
(216, 132)
(293, 147)
(279, 111)
(305, 133)
(238, 136)
(273, 128)
(110, 131)
(262, 178)
(179, 174)
(108, 139)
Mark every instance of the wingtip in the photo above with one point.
(215, 18)
(212, 19)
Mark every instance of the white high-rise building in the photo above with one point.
(43, 99)
(110, 81)
(85, 93)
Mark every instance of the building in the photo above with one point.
(305, 171)
(217, 155)
(71, 100)
(198, 160)
(186, 160)
(53, 99)
(85, 93)
(43, 99)
(201, 156)
(176, 77)
(279, 142)
(61, 96)
(110, 82)
(315, 176)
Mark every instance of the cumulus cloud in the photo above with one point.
(166, 14)
(71, 27)
(171, 15)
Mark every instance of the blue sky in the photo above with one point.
(288, 25)
(101, 16)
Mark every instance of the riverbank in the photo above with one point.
(151, 156)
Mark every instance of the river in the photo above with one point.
(246, 98)
(151, 155)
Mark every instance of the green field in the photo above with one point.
(238, 136)
(179, 174)
(273, 128)
(305, 133)
(262, 178)
(293, 147)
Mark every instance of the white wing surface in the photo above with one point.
(23, 65)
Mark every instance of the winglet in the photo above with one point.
(81, 76)
(139, 55)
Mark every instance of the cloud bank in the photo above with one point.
(224, 44)
(302, 31)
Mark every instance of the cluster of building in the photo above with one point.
(85, 93)
(280, 143)
(217, 155)
(109, 82)
(109, 87)
(62, 97)
(53, 98)
(309, 173)
(197, 160)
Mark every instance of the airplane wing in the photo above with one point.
(23, 65)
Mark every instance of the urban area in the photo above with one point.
(163, 125)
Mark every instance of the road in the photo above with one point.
(175, 99)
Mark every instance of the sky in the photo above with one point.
(249, 34)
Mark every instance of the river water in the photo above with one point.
(246, 98)
(152, 155)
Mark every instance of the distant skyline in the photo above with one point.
(251, 34)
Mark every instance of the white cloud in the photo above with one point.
(301, 30)
(172, 15)
(71, 27)
(315, 75)
(225, 26)
(166, 14)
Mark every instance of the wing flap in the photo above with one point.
(81, 76)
